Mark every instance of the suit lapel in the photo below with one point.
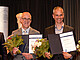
(53, 29)
(20, 31)
(30, 31)
(64, 29)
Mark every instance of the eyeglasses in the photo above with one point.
(58, 15)
(26, 18)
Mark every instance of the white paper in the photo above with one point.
(32, 39)
(68, 43)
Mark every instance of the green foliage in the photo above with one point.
(14, 41)
(78, 46)
(40, 51)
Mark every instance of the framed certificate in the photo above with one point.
(67, 41)
(62, 42)
(32, 39)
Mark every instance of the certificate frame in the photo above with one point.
(32, 39)
(56, 44)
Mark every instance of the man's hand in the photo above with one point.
(67, 55)
(27, 55)
(15, 50)
(47, 54)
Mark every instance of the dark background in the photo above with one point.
(41, 11)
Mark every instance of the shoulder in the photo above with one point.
(1, 33)
(15, 31)
(50, 27)
(69, 27)
(34, 30)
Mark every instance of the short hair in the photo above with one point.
(19, 15)
(58, 7)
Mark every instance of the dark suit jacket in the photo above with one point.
(51, 30)
(3, 51)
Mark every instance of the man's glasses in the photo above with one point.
(58, 15)
(26, 18)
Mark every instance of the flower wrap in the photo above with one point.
(13, 41)
(78, 46)
(40, 47)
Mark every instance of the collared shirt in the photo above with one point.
(60, 30)
(25, 32)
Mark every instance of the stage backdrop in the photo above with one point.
(4, 20)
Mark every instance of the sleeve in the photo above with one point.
(4, 52)
(73, 53)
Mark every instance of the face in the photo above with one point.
(26, 20)
(58, 15)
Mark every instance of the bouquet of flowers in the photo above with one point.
(78, 46)
(40, 47)
(13, 41)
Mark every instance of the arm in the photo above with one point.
(26, 55)
(3, 50)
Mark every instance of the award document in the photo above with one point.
(32, 39)
(62, 42)
(67, 41)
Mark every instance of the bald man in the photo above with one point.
(59, 27)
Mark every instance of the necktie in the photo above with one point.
(25, 32)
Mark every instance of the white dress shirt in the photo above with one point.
(60, 30)
(25, 32)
